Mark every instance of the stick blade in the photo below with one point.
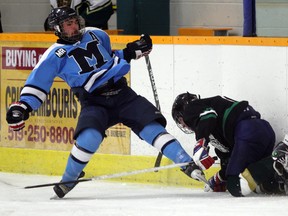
(57, 183)
(158, 160)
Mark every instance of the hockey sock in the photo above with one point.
(156, 135)
(176, 153)
(86, 144)
(250, 180)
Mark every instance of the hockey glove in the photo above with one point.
(201, 156)
(193, 171)
(17, 114)
(138, 48)
(233, 186)
(216, 184)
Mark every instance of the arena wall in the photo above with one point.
(29, 15)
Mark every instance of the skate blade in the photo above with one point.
(203, 179)
(55, 197)
(198, 175)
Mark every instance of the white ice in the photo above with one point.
(101, 198)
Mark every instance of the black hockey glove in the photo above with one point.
(194, 171)
(233, 186)
(17, 114)
(138, 48)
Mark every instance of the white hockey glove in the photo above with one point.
(16, 115)
(201, 156)
(138, 48)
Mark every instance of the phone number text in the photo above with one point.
(36, 133)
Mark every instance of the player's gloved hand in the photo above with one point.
(16, 115)
(138, 48)
(201, 156)
(194, 171)
(215, 184)
(233, 186)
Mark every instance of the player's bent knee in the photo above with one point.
(162, 141)
(86, 144)
(151, 131)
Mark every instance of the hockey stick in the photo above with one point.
(110, 176)
(152, 80)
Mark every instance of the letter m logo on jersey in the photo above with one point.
(82, 55)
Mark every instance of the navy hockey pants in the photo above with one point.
(254, 140)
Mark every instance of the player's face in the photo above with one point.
(183, 126)
(71, 27)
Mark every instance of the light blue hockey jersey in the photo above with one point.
(88, 63)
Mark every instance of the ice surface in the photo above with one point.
(100, 198)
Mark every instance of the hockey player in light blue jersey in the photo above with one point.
(83, 58)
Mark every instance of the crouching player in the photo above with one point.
(243, 142)
(267, 176)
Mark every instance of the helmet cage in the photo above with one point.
(59, 30)
(183, 127)
(60, 15)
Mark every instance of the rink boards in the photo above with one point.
(179, 64)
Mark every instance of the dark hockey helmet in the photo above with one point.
(56, 19)
(178, 108)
